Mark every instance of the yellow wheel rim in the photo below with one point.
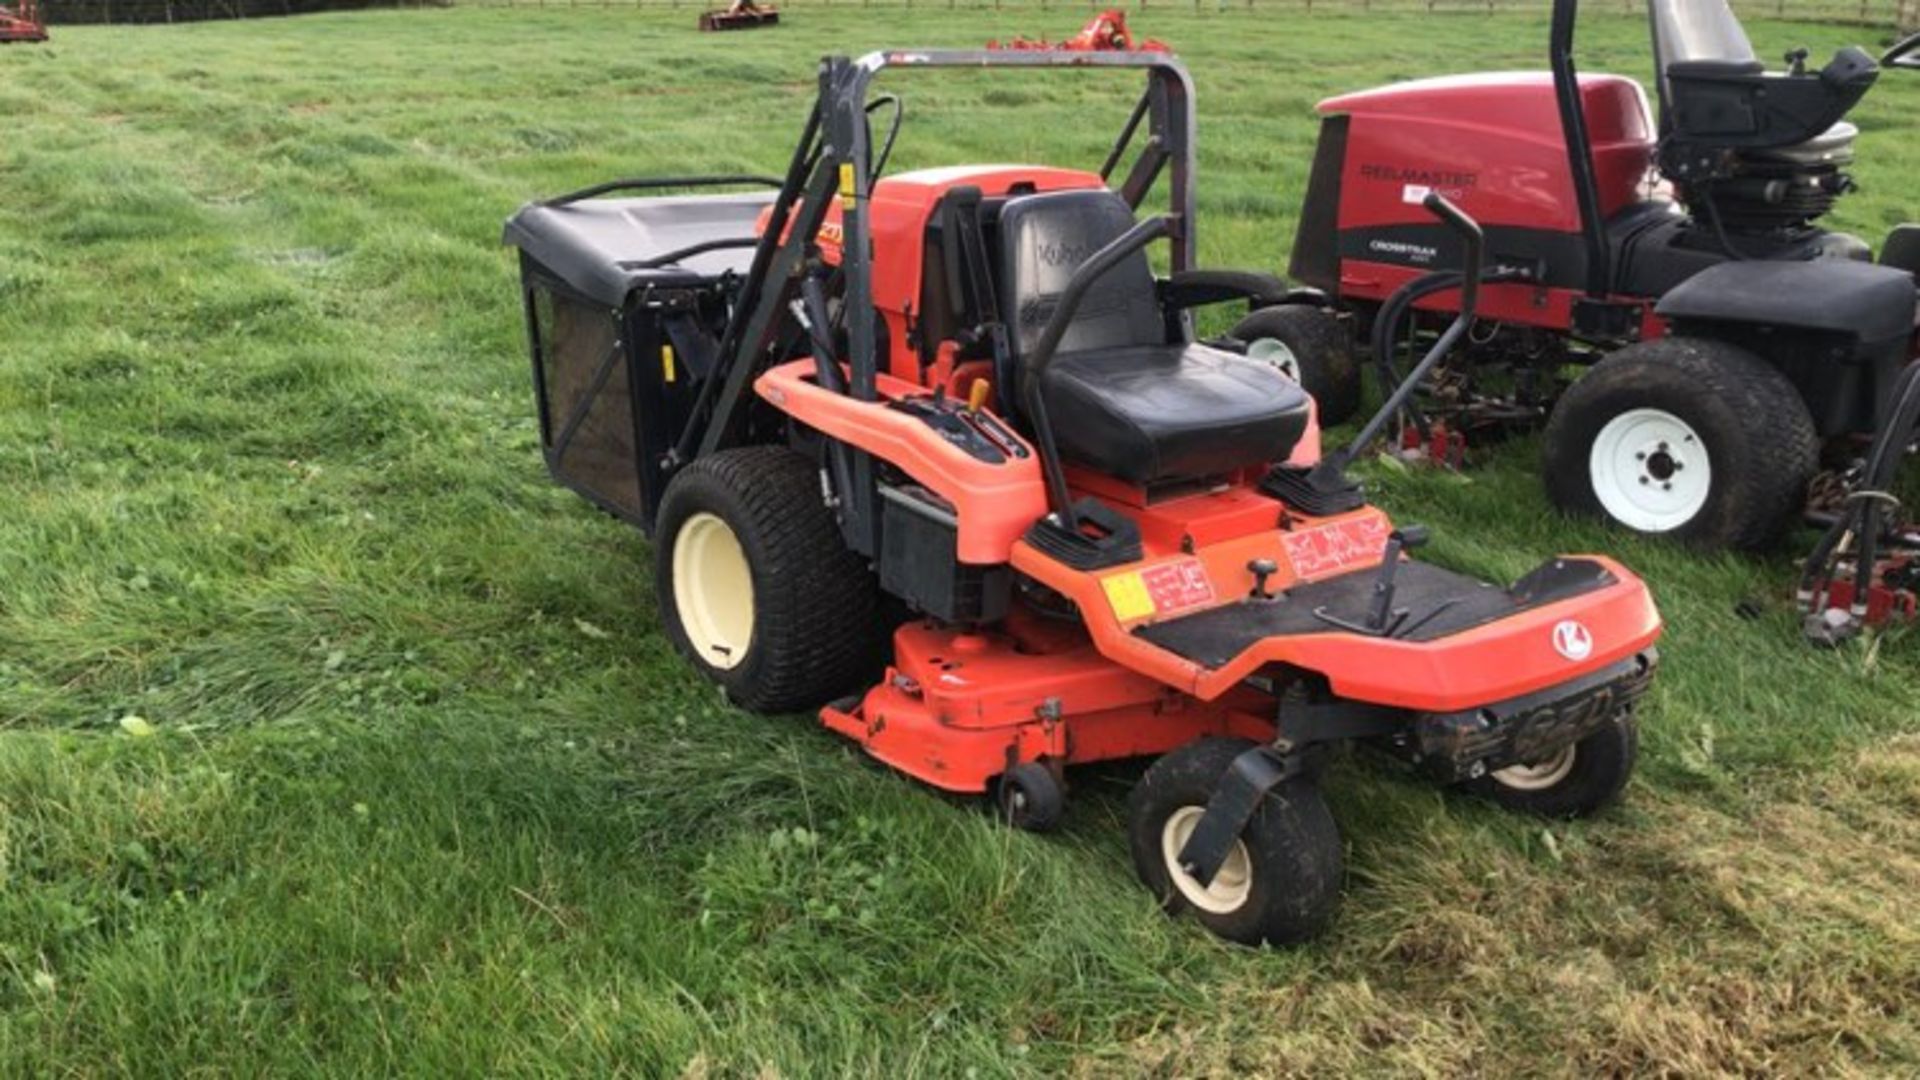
(1229, 889)
(713, 590)
(1537, 775)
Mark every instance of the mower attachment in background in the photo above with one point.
(22, 23)
(1865, 571)
(740, 15)
(1105, 32)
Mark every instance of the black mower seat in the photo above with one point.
(1121, 398)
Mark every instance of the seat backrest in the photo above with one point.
(1697, 32)
(1044, 239)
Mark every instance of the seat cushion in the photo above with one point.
(1151, 413)
(1122, 401)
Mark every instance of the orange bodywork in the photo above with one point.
(995, 503)
(897, 213)
(960, 705)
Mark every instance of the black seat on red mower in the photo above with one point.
(1122, 399)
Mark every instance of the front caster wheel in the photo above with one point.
(1029, 796)
(1577, 781)
(1280, 885)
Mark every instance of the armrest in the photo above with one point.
(1198, 288)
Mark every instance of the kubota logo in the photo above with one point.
(1572, 640)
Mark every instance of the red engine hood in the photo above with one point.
(1616, 106)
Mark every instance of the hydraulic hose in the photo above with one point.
(1398, 307)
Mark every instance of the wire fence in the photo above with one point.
(1875, 13)
(1882, 13)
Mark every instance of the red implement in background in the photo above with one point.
(21, 23)
(740, 15)
(1105, 32)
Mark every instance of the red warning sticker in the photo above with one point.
(1339, 546)
(1176, 586)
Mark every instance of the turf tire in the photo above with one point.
(817, 627)
(1292, 847)
(1759, 439)
(1602, 763)
(1322, 347)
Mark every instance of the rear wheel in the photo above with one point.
(1684, 437)
(1578, 780)
(1281, 882)
(756, 586)
(1313, 347)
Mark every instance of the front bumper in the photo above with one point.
(1466, 745)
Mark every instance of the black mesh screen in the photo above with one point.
(589, 400)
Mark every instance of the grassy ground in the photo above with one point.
(333, 736)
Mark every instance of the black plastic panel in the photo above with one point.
(1439, 603)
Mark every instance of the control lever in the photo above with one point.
(1904, 55)
(1262, 569)
(1330, 475)
(1382, 619)
(1400, 540)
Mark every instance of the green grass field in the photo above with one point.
(334, 737)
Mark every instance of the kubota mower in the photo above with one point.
(965, 389)
(1729, 337)
(1105, 32)
(21, 23)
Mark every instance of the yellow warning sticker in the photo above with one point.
(666, 363)
(1128, 596)
(846, 180)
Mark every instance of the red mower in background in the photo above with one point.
(1105, 32)
(964, 392)
(740, 15)
(1733, 349)
(22, 23)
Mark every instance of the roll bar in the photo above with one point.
(1573, 123)
(833, 162)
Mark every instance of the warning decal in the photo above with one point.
(1339, 546)
(1158, 590)
(1175, 586)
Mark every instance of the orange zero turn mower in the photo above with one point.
(964, 392)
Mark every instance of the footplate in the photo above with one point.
(1469, 744)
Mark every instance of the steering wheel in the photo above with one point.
(1904, 55)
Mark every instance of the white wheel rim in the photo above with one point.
(1230, 887)
(1650, 470)
(1539, 775)
(1275, 353)
(713, 590)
